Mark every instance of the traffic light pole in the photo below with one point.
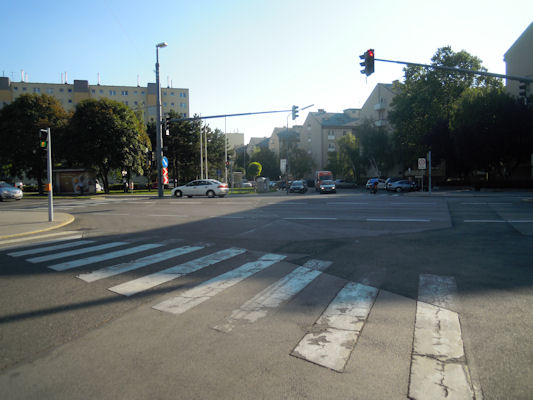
(463, 70)
(49, 173)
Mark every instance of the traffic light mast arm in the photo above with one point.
(464, 70)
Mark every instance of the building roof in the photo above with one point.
(333, 119)
(527, 34)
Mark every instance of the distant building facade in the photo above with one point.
(519, 61)
(69, 95)
(234, 140)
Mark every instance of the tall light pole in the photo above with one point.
(158, 137)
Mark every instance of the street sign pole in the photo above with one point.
(429, 171)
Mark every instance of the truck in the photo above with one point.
(322, 176)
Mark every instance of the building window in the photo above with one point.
(136, 103)
(172, 93)
(183, 105)
(50, 91)
(331, 147)
(164, 104)
(93, 91)
(70, 101)
(70, 90)
(23, 89)
(183, 95)
(61, 90)
(16, 87)
(124, 93)
(172, 104)
(112, 92)
(101, 91)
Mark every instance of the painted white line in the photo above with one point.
(70, 253)
(397, 220)
(49, 235)
(167, 215)
(411, 204)
(485, 221)
(149, 281)
(110, 214)
(345, 202)
(310, 218)
(334, 335)
(212, 287)
(102, 257)
(141, 262)
(50, 248)
(274, 295)
(226, 217)
(438, 365)
(519, 221)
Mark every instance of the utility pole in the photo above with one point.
(46, 142)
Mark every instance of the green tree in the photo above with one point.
(423, 104)
(269, 161)
(351, 161)
(491, 131)
(254, 169)
(104, 135)
(20, 123)
(300, 163)
(377, 148)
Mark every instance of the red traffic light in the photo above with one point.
(370, 53)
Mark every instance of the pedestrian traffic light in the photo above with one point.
(43, 138)
(294, 112)
(368, 62)
(522, 89)
(167, 126)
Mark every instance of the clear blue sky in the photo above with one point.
(246, 55)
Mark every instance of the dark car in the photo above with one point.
(344, 184)
(298, 186)
(327, 187)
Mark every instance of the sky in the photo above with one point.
(240, 56)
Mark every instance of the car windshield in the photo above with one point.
(327, 182)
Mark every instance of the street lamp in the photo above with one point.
(159, 138)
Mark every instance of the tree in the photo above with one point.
(423, 104)
(377, 148)
(104, 135)
(269, 161)
(300, 163)
(20, 123)
(254, 169)
(350, 160)
(491, 131)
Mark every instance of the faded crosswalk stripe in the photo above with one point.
(103, 257)
(149, 281)
(334, 335)
(274, 295)
(212, 287)
(139, 263)
(70, 253)
(50, 248)
(438, 364)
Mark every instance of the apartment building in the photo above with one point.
(519, 61)
(320, 131)
(136, 97)
(377, 105)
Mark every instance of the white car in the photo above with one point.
(202, 187)
(8, 191)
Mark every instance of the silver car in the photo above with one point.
(8, 191)
(202, 187)
(327, 187)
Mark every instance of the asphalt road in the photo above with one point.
(250, 325)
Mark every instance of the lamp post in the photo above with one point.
(159, 138)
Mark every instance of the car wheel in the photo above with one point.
(178, 193)
(190, 197)
(398, 190)
(221, 195)
(210, 194)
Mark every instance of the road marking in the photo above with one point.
(70, 253)
(69, 236)
(274, 295)
(346, 202)
(102, 257)
(141, 262)
(438, 364)
(110, 214)
(50, 248)
(226, 217)
(149, 281)
(397, 220)
(212, 287)
(485, 221)
(310, 218)
(332, 338)
(168, 215)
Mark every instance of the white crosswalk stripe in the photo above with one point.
(146, 282)
(71, 253)
(438, 365)
(335, 333)
(103, 257)
(212, 287)
(141, 262)
(274, 295)
(50, 248)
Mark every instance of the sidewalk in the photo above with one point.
(21, 223)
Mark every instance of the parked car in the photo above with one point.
(298, 186)
(8, 191)
(202, 187)
(327, 186)
(344, 184)
(402, 186)
(370, 183)
(389, 182)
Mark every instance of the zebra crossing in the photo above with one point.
(438, 366)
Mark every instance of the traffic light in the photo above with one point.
(522, 88)
(368, 62)
(43, 138)
(167, 126)
(294, 112)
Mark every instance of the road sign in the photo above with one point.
(283, 165)
(421, 163)
(164, 162)
(165, 175)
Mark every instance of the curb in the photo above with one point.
(62, 224)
